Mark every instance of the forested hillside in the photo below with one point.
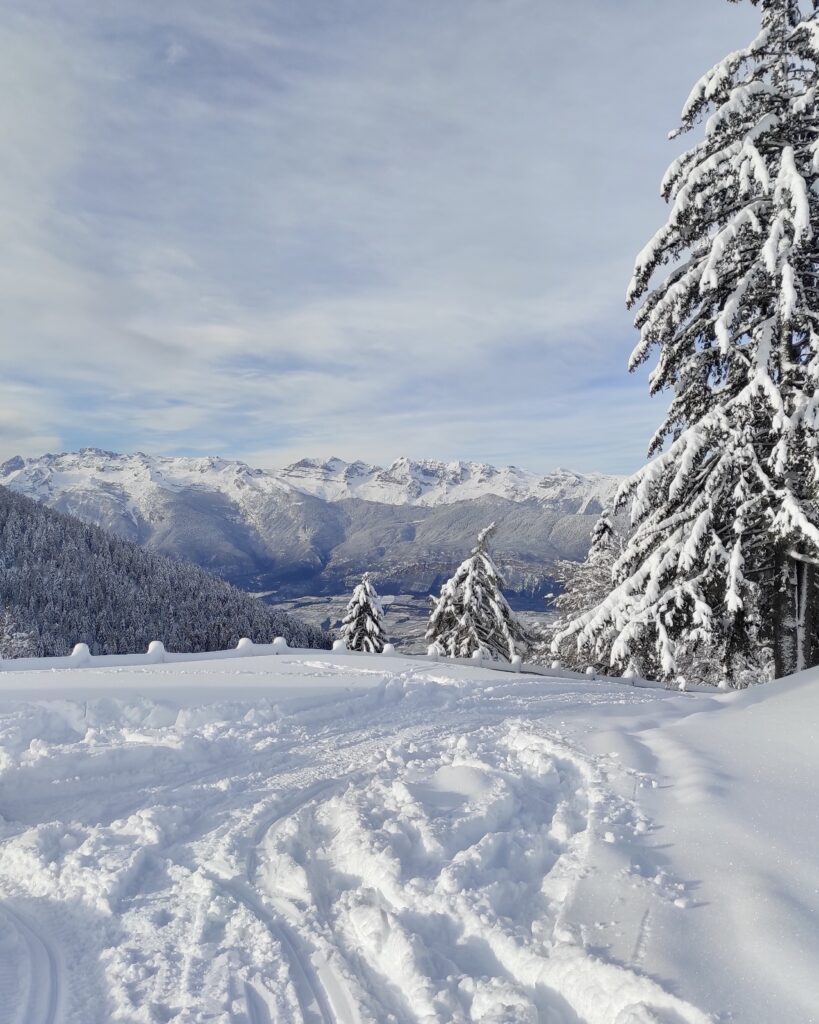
(63, 582)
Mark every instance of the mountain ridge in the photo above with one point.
(424, 482)
(314, 526)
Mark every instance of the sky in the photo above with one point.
(270, 229)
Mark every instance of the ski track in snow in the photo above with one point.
(38, 1001)
(404, 854)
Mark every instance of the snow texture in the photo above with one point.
(349, 838)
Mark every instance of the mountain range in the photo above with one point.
(314, 526)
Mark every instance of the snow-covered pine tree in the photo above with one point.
(603, 537)
(14, 641)
(471, 613)
(585, 584)
(362, 627)
(725, 517)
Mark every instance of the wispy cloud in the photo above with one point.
(307, 227)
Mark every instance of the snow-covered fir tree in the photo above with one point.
(725, 538)
(14, 641)
(471, 614)
(584, 585)
(362, 627)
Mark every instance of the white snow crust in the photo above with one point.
(326, 837)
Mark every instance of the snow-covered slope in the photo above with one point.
(330, 838)
(130, 483)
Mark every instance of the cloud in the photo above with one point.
(175, 53)
(295, 228)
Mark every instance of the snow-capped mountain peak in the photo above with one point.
(404, 482)
(48, 476)
(427, 482)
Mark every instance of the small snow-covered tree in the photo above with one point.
(362, 627)
(724, 542)
(585, 584)
(471, 614)
(603, 537)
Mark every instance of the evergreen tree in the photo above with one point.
(603, 537)
(15, 642)
(362, 627)
(725, 535)
(585, 584)
(471, 613)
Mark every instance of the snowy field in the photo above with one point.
(331, 838)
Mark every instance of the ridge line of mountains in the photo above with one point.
(313, 527)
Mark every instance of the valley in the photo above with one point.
(303, 535)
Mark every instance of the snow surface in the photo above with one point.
(326, 837)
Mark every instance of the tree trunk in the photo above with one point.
(805, 595)
(793, 615)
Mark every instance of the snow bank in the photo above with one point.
(82, 657)
(742, 818)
